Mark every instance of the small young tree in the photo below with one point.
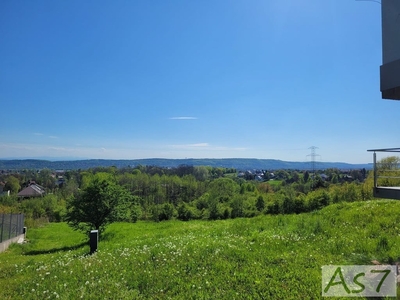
(102, 202)
(260, 204)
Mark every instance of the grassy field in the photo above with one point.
(275, 182)
(267, 257)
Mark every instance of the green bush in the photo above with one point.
(317, 200)
(186, 212)
(162, 212)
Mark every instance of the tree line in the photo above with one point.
(186, 193)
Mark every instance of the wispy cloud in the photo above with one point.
(60, 149)
(15, 147)
(206, 146)
(198, 145)
(42, 134)
(193, 146)
(183, 118)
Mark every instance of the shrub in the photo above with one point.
(186, 212)
(162, 212)
(317, 200)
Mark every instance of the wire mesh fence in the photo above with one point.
(11, 225)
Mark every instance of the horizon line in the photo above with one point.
(61, 159)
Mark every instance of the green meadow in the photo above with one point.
(265, 257)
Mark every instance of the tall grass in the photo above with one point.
(266, 257)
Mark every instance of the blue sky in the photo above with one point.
(193, 79)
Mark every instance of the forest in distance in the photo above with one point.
(237, 163)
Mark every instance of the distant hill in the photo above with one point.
(237, 163)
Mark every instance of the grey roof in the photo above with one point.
(33, 190)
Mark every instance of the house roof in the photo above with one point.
(32, 190)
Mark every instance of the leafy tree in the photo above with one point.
(260, 204)
(299, 204)
(203, 201)
(182, 170)
(306, 176)
(237, 206)
(223, 189)
(295, 177)
(46, 179)
(216, 210)
(68, 188)
(167, 212)
(227, 211)
(265, 187)
(317, 200)
(242, 189)
(12, 185)
(185, 212)
(318, 182)
(350, 192)
(135, 210)
(288, 204)
(102, 202)
(161, 212)
(282, 174)
(275, 206)
(336, 194)
(155, 211)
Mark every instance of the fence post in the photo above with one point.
(94, 240)
(2, 227)
(20, 226)
(23, 223)
(9, 232)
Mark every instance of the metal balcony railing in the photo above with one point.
(386, 175)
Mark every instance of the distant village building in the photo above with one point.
(33, 190)
(324, 177)
(259, 178)
(59, 175)
(240, 174)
